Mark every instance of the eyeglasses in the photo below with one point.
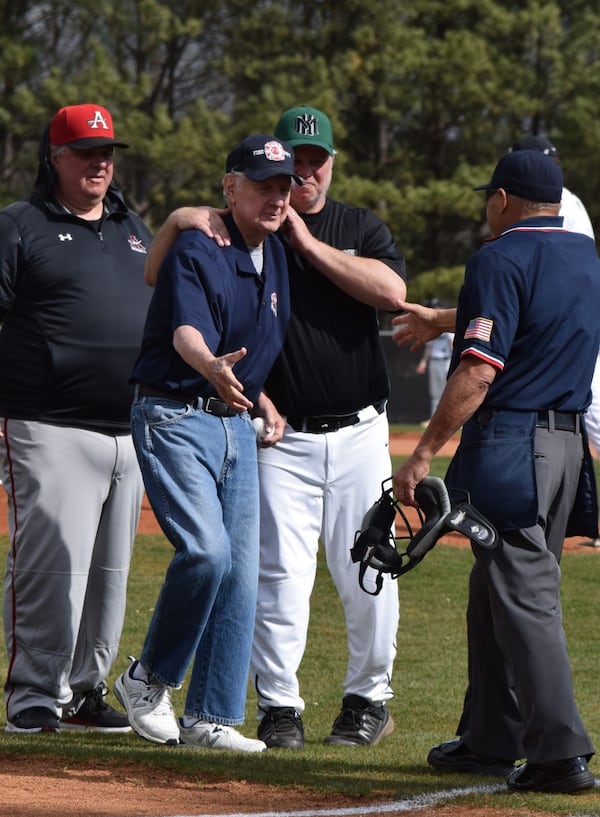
(489, 194)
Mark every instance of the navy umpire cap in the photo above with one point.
(261, 157)
(529, 174)
(540, 143)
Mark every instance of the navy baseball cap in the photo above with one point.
(530, 174)
(260, 157)
(540, 143)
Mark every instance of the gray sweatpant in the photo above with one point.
(74, 499)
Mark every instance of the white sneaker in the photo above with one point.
(207, 735)
(148, 706)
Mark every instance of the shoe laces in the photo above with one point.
(86, 702)
(221, 727)
(97, 695)
(285, 720)
(350, 719)
(159, 695)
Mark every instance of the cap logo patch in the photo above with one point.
(307, 125)
(98, 121)
(274, 152)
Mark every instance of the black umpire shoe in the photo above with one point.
(281, 728)
(456, 756)
(360, 723)
(32, 720)
(562, 776)
(89, 712)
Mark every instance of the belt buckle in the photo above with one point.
(218, 407)
(325, 426)
(207, 404)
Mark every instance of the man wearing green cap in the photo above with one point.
(324, 453)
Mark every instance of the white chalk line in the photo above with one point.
(417, 803)
(421, 801)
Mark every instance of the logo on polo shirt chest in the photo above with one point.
(136, 244)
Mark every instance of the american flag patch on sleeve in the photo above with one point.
(480, 329)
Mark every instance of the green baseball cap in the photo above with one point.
(305, 126)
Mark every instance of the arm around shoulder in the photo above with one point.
(206, 219)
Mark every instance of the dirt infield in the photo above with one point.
(36, 787)
(44, 787)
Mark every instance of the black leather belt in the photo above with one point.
(561, 420)
(328, 422)
(211, 405)
(546, 418)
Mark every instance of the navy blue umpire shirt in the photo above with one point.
(217, 291)
(522, 295)
(529, 307)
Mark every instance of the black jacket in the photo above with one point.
(73, 303)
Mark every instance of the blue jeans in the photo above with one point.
(201, 479)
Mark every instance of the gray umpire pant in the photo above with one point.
(520, 702)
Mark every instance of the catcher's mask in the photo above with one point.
(375, 544)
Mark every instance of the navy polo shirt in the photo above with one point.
(529, 306)
(217, 291)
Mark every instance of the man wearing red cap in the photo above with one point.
(73, 304)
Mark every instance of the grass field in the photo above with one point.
(429, 681)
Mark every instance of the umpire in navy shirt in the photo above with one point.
(526, 340)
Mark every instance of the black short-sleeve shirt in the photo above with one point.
(332, 361)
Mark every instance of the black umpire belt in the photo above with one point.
(559, 420)
(329, 422)
(211, 405)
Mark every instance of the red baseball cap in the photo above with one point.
(83, 126)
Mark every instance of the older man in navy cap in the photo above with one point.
(526, 341)
(216, 323)
(327, 444)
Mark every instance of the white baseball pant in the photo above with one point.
(319, 486)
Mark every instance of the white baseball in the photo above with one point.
(259, 427)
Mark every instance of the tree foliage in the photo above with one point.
(424, 97)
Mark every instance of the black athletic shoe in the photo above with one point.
(32, 720)
(282, 728)
(562, 776)
(456, 756)
(93, 714)
(360, 723)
